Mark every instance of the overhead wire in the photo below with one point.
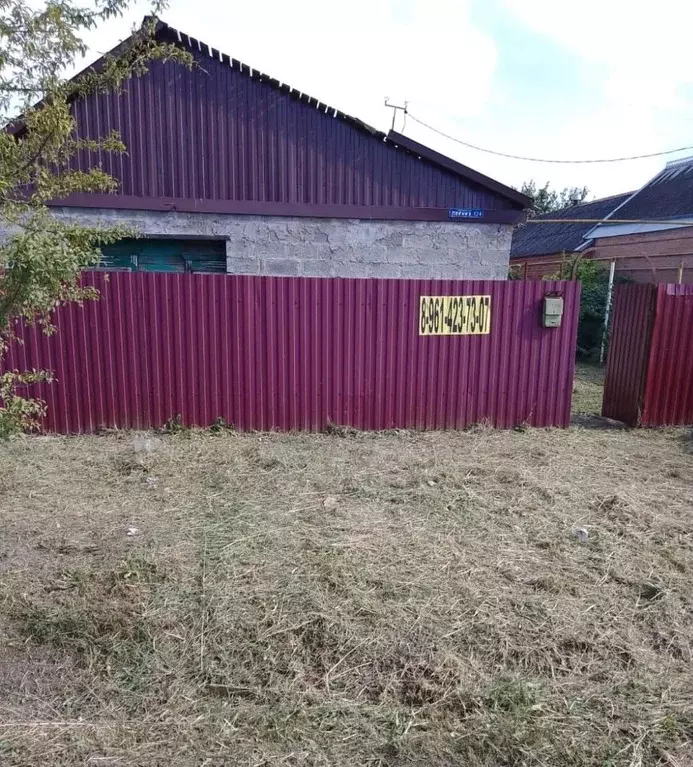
(545, 160)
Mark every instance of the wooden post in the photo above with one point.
(681, 272)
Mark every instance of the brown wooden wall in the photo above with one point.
(539, 267)
(650, 257)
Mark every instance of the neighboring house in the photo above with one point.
(653, 248)
(230, 170)
(648, 234)
(540, 250)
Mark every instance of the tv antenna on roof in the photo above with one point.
(394, 108)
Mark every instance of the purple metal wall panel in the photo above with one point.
(629, 346)
(217, 133)
(669, 390)
(298, 353)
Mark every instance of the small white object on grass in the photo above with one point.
(142, 443)
(330, 502)
(582, 534)
(132, 531)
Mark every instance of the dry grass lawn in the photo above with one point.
(588, 390)
(359, 599)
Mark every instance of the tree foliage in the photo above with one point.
(594, 293)
(41, 256)
(547, 200)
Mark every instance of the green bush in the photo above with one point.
(593, 297)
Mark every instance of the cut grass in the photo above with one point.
(588, 389)
(391, 599)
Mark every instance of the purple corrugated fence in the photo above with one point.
(297, 353)
(629, 346)
(649, 379)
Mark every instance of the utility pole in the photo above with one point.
(394, 108)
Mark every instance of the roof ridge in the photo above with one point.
(553, 213)
(608, 197)
(252, 72)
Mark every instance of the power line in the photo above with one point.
(539, 159)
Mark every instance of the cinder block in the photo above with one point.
(320, 269)
(281, 267)
(304, 251)
(242, 265)
(462, 271)
(390, 271)
(405, 256)
(348, 247)
(418, 272)
(349, 269)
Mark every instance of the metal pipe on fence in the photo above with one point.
(609, 294)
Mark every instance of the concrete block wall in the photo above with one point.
(330, 247)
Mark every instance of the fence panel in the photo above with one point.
(669, 389)
(300, 353)
(629, 346)
(649, 379)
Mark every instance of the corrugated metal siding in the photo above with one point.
(649, 378)
(219, 133)
(669, 389)
(629, 346)
(299, 353)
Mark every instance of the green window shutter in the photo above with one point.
(119, 256)
(205, 256)
(158, 255)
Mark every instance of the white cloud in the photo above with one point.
(638, 54)
(645, 46)
(349, 55)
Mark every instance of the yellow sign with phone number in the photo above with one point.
(454, 315)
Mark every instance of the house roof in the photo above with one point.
(545, 239)
(668, 195)
(461, 170)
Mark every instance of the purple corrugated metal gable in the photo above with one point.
(297, 353)
(222, 133)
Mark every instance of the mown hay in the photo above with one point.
(396, 599)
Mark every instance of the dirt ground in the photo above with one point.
(477, 598)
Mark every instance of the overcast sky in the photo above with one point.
(546, 78)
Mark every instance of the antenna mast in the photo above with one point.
(394, 108)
